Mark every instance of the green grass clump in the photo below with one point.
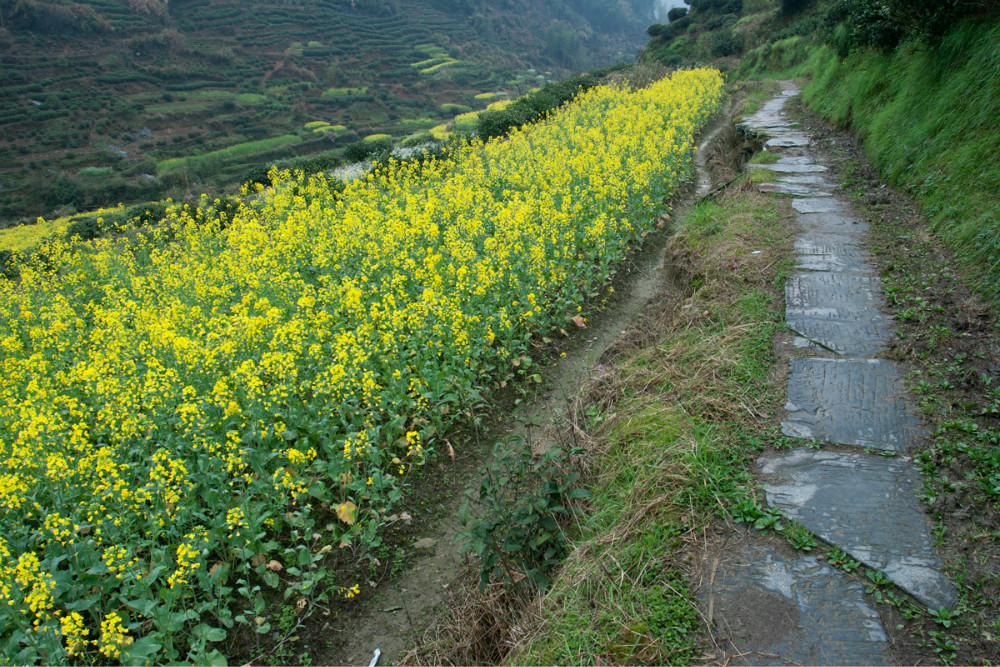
(928, 120)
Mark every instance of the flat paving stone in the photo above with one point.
(839, 311)
(867, 506)
(834, 223)
(783, 167)
(788, 140)
(831, 252)
(807, 179)
(819, 205)
(849, 402)
(793, 189)
(778, 610)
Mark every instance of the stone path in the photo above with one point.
(861, 502)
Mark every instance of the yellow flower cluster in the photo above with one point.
(162, 392)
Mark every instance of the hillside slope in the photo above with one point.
(97, 93)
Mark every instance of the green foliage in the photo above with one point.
(927, 118)
(211, 161)
(676, 13)
(884, 25)
(725, 43)
(789, 7)
(519, 537)
(364, 150)
(308, 164)
(531, 107)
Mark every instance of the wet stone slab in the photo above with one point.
(786, 166)
(867, 506)
(819, 205)
(793, 189)
(788, 140)
(807, 179)
(834, 223)
(831, 252)
(849, 402)
(777, 610)
(839, 311)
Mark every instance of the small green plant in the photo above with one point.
(518, 537)
(799, 536)
(944, 616)
(840, 560)
(943, 644)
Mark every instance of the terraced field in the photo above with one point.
(98, 84)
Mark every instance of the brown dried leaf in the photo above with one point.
(579, 321)
(275, 566)
(347, 512)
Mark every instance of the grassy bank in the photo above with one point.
(672, 423)
(928, 121)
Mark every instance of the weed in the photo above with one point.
(840, 560)
(519, 537)
(799, 536)
(765, 157)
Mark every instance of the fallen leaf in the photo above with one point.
(426, 543)
(579, 321)
(347, 512)
(275, 566)
(405, 517)
(451, 450)
(257, 560)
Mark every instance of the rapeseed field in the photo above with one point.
(194, 415)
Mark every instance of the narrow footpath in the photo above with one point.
(859, 492)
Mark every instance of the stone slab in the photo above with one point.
(839, 311)
(807, 179)
(779, 610)
(867, 506)
(833, 223)
(788, 140)
(819, 205)
(793, 189)
(856, 402)
(783, 167)
(831, 252)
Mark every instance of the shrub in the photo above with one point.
(724, 21)
(725, 43)
(789, 7)
(531, 107)
(676, 13)
(359, 151)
